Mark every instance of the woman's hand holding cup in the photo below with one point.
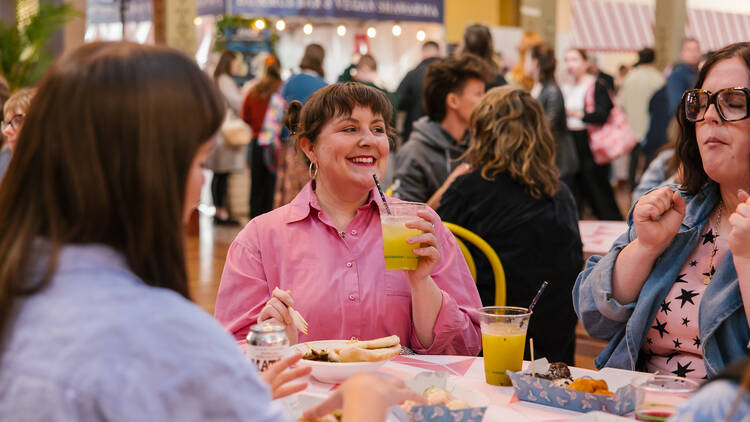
(277, 310)
(657, 218)
(428, 250)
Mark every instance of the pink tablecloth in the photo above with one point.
(598, 236)
(469, 374)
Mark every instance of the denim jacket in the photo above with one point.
(724, 331)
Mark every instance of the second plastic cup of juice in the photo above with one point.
(503, 341)
(657, 397)
(399, 255)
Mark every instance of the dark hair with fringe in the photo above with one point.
(447, 76)
(335, 100)
(693, 174)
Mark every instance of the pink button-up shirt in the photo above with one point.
(340, 284)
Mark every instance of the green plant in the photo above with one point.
(23, 54)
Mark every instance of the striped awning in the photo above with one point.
(612, 25)
(715, 29)
(628, 26)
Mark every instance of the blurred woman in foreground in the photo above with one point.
(95, 315)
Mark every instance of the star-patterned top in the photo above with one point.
(673, 344)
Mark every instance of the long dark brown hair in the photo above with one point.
(510, 134)
(313, 59)
(693, 174)
(224, 66)
(103, 158)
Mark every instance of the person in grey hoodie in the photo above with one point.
(428, 162)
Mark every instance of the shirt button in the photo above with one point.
(352, 298)
(349, 265)
(354, 232)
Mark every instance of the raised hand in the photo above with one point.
(657, 218)
(739, 237)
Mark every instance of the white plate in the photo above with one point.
(333, 372)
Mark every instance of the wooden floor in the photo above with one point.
(205, 260)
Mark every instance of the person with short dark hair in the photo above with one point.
(410, 89)
(323, 252)
(452, 87)
(673, 292)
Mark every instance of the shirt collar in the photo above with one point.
(306, 201)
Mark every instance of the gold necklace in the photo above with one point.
(709, 274)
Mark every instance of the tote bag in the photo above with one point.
(614, 138)
(235, 131)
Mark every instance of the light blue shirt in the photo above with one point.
(99, 344)
(713, 403)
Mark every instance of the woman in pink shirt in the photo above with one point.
(324, 250)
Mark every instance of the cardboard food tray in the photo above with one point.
(439, 412)
(542, 391)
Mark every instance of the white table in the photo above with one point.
(469, 374)
(598, 236)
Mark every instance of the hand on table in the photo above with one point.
(657, 218)
(428, 252)
(277, 310)
(279, 375)
(362, 388)
(739, 237)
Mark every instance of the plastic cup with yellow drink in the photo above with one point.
(503, 341)
(399, 255)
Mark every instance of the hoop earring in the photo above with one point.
(310, 171)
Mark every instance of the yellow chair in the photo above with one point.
(497, 266)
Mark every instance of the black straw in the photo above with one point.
(536, 298)
(382, 195)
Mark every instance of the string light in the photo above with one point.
(371, 32)
(259, 24)
(341, 30)
(307, 29)
(197, 21)
(421, 35)
(396, 30)
(280, 25)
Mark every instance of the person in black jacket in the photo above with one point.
(592, 183)
(410, 89)
(478, 41)
(513, 199)
(540, 67)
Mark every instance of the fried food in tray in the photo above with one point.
(559, 374)
(359, 351)
(334, 416)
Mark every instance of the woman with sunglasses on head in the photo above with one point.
(673, 292)
(14, 112)
(95, 318)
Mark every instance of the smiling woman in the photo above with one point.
(325, 248)
(673, 292)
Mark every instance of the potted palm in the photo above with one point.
(23, 54)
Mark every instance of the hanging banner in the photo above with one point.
(385, 10)
(108, 11)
